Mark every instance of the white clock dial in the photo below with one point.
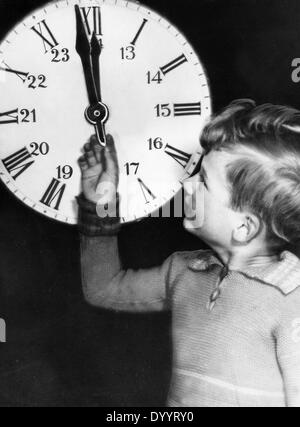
(152, 82)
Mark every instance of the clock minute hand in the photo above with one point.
(96, 49)
(83, 49)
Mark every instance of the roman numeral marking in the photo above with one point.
(187, 109)
(139, 32)
(92, 19)
(18, 162)
(146, 191)
(23, 76)
(9, 117)
(174, 64)
(54, 194)
(180, 156)
(43, 31)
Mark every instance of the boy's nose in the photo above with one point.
(190, 185)
(192, 178)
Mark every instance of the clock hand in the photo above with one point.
(100, 132)
(97, 113)
(83, 49)
(96, 49)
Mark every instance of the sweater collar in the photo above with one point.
(283, 275)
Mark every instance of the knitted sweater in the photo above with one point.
(236, 334)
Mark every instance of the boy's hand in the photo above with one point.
(99, 165)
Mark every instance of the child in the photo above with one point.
(236, 308)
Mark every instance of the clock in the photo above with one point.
(74, 68)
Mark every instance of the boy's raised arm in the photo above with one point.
(105, 284)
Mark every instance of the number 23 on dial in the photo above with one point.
(76, 68)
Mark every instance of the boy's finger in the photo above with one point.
(110, 144)
(112, 165)
(87, 147)
(94, 140)
(90, 158)
(111, 155)
(83, 164)
(97, 148)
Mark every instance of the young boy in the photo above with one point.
(236, 309)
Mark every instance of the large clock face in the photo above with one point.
(151, 81)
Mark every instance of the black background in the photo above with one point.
(60, 352)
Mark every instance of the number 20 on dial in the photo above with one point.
(76, 68)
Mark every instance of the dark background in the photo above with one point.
(60, 352)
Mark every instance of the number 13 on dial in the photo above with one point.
(76, 68)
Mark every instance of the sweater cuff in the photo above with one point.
(91, 225)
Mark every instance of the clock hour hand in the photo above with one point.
(97, 113)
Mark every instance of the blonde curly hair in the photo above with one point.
(265, 177)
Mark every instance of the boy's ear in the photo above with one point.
(248, 229)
